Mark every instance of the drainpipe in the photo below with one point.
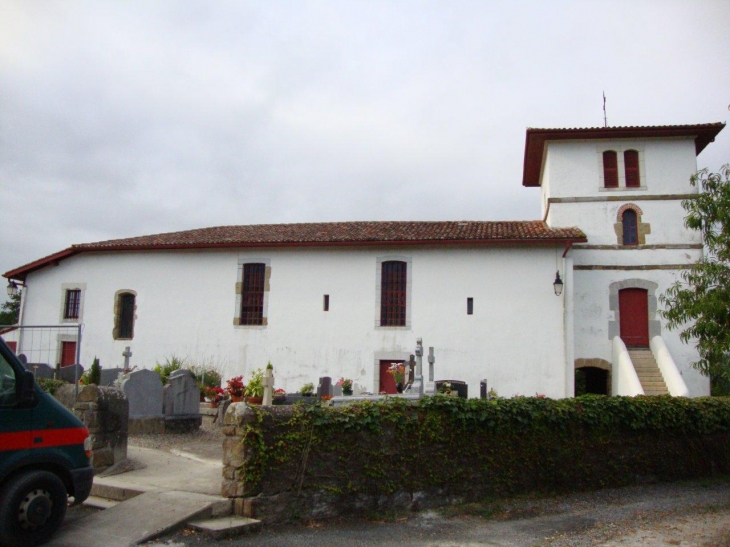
(569, 315)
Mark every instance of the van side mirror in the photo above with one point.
(27, 389)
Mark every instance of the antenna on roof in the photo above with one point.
(605, 119)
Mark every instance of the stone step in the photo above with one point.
(100, 503)
(226, 527)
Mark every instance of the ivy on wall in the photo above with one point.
(476, 448)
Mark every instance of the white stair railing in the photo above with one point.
(668, 368)
(624, 380)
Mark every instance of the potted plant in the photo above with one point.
(235, 388)
(307, 390)
(254, 391)
(279, 396)
(398, 372)
(346, 385)
(214, 395)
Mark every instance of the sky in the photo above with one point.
(120, 119)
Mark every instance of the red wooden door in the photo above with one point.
(68, 353)
(633, 312)
(387, 382)
(13, 346)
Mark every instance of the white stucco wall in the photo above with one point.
(186, 306)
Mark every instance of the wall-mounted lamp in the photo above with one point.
(558, 284)
(13, 287)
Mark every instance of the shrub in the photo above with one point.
(170, 365)
(49, 385)
(95, 372)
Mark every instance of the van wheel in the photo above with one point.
(33, 506)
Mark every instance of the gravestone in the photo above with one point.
(324, 387)
(182, 396)
(182, 402)
(336, 390)
(109, 375)
(41, 370)
(483, 389)
(143, 390)
(70, 373)
(461, 388)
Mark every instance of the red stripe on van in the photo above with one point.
(42, 438)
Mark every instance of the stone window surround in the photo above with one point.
(655, 326)
(239, 290)
(621, 166)
(378, 289)
(642, 228)
(72, 287)
(118, 313)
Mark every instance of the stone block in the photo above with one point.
(102, 458)
(233, 451)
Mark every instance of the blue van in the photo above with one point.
(44, 457)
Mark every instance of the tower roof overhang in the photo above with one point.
(535, 140)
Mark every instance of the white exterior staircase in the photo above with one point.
(648, 371)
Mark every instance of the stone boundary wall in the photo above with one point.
(283, 463)
(104, 411)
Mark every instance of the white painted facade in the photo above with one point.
(521, 337)
(186, 303)
(580, 199)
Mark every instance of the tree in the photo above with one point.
(700, 302)
(10, 310)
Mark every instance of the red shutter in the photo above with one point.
(610, 169)
(68, 353)
(631, 161)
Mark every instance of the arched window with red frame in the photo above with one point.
(631, 164)
(610, 169)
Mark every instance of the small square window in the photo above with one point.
(470, 306)
(326, 302)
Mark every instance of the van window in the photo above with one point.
(8, 393)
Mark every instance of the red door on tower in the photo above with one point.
(633, 305)
(387, 382)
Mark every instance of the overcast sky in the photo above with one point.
(129, 118)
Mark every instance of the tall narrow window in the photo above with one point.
(126, 315)
(326, 304)
(393, 294)
(631, 236)
(73, 301)
(470, 306)
(252, 295)
(610, 169)
(631, 163)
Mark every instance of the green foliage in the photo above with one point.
(307, 389)
(170, 365)
(10, 311)
(49, 385)
(255, 386)
(206, 377)
(95, 372)
(474, 448)
(698, 303)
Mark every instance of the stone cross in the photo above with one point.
(431, 361)
(127, 353)
(410, 369)
(418, 381)
(268, 387)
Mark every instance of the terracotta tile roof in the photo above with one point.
(348, 233)
(320, 234)
(535, 138)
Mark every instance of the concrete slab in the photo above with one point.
(100, 503)
(165, 471)
(225, 527)
(139, 519)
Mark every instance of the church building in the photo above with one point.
(552, 306)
